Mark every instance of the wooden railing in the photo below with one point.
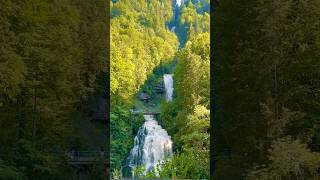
(150, 113)
(86, 157)
(144, 113)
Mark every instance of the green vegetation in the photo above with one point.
(139, 42)
(187, 118)
(51, 60)
(266, 89)
(142, 50)
(191, 18)
(195, 18)
(154, 79)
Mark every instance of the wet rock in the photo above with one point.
(144, 96)
(159, 88)
(152, 145)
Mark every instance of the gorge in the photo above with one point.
(152, 144)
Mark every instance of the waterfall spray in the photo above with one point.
(151, 145)
(168, 85)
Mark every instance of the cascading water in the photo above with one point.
(173, 29)
(179, 2)
(168, 85)
(151, 145)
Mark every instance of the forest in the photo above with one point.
(263, 99)
(266, 90)
(148, 39)
(52, 59)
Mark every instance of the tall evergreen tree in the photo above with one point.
(42, 80)
(263, 86)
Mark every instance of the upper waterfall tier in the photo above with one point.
(168, 84)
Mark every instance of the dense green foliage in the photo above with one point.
(139, 41)
(141, 44)
(121, 139)
(187, 118)
(51, 56)
(195, 17)
(266, 89)
(191, 18)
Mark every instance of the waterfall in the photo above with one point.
(173, 28)
(152, 145)
(179, 2)
(168, 85)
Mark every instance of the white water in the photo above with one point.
(173, 28)
(151, 145)
(179, 2)
(168, 85)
